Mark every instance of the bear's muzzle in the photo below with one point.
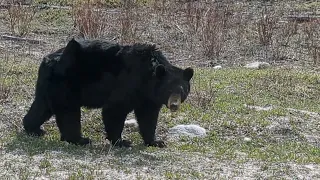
(174, 102)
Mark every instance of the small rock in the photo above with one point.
(257, 65)
(280, 126)
(217, 67)
(190, 130)
(260, 108)
(247, 139)
(240, 154)
(309, 113)
(309, 166)
(131, 123)
(34, 53)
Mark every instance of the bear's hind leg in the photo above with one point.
(38, 113)
(113, 119)
(69, 125)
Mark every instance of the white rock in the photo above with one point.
(247, 139)
(260, 108)
(279, 125)
(190, 130)
(217, 67)
(310, 166)
(131, 123)
(241, 154)
(312, 114)
(257, 65)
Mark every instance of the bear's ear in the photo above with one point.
(153, 47)
(72, 47)
(160, 70)
(115, 49)
(188, 74)
(148, 50)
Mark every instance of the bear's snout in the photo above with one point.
(174, 102)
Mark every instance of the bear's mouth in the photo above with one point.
(174, 102)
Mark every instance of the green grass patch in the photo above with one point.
(19, 77)
(225, 117)
(280, 87)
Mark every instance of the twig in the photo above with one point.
(303, 18)
(45, 6)
(14, 38)
(178, 27)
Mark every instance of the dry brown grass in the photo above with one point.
(4, 87)
(312, 39)
(223, 32)
(89, 18)
(4, 90)
(229, 30)
(128, 18)
(20, 18)
(265, 27)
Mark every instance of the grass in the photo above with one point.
(227, 120)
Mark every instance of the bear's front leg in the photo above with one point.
(113, 119)
(147, 117)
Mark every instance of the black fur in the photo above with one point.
(100, 74)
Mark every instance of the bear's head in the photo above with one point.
(172, 84)
(176, 87)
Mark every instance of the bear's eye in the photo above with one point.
(183, 92)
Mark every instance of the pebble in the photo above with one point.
(257, 65)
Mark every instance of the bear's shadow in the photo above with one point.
(20, 143)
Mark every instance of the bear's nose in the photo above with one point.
(174, 107)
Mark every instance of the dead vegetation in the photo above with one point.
(89, 18)
(226, 32)
(20, 18)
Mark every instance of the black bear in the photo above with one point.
(117, 78)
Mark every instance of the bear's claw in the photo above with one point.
(82, 141)
(122, 143)
(38, 133)
(157, 143)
